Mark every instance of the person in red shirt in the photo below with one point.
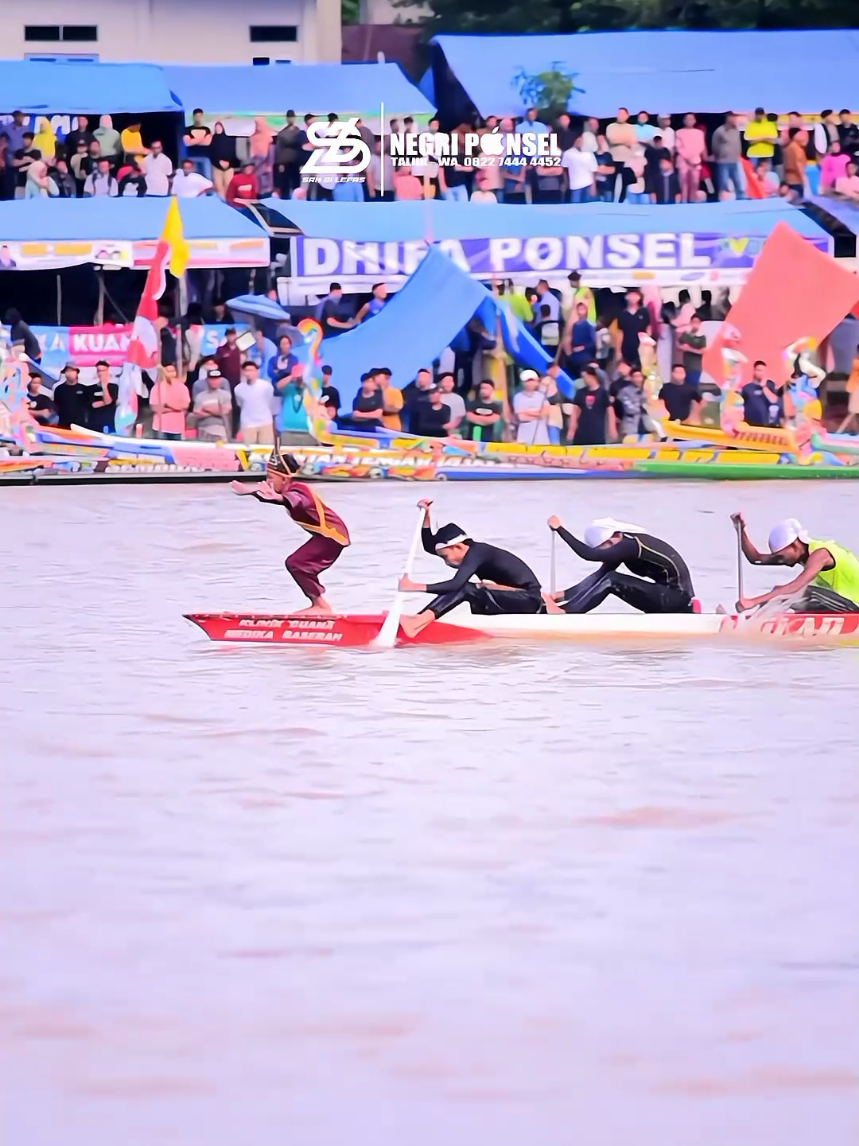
(328, 535)
(244, 185)
(228, 359)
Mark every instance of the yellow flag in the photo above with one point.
(180, 252)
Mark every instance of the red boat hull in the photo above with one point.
(357, 630)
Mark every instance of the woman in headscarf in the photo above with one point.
(262, 154)
(44, 141)
(222, 153)
(36, 186)
(108, 138)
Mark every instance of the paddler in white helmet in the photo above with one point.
(660, 583)
(829, 581)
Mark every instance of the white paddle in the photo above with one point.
(388, 632)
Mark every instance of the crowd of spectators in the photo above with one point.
(634, 159)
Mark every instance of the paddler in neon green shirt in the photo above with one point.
(829, 581)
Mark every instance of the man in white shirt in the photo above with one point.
(590, 136)
(532, 411)
(188, 183)
(158, 168)
(581, 168)
(454, 401)
(255, 398)
(100, 181)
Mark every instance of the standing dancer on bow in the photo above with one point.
(329, 536)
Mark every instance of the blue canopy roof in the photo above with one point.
(318, 88)
(121, 220)
(664, 72)
(438, 220)
(91, 89)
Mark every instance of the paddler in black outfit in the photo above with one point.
(661, 583)
(505, 583)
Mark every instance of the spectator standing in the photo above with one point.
(368, 406)
(414, 395)
(691, 147)
(484, 415)
(606, 172)
(826, 132)
(101, 182)
(45, 141)
(189, 183)
(581, 172)
(39, 401)
(105, 394)
(454, 402)
(547, 330)
(222, 156)
(590, 137)
(15, 131)
(255, 400)
(653, 153)
(79, 164)
(531, 411)
(431, 418)
(545, 297)
(287, 156)
(633, 321)
(795, 160)
(109, 142)
(213, 408)
(681, 398)
(80, 133)
(665, 129)
(228, 359)
(206, 367)
(262, 154)
(376, 304)
(692, 343)
(763, 401)
(727, 149)
(282, 365)
(197, 139)
(169, 399)
(760, 136)
(330, 395)
(635, 189)
(243, 186)
(293, 421)
(565, 133)
(848, 132)
(592, 420)
(582, 341)
(7, 171)
(132, 142)
(666, 186)
(23, 158)
(621, 136)
(332, 313)
(631, 401)
(262, 352)
(833, 166)
(158, 169)
(72, 399)
(644, 129)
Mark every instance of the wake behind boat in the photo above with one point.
(460, 627)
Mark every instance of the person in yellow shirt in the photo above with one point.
(392, 400)
(132, 142)
(761, 136)
(44, 141)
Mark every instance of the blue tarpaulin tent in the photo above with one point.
(436, 221)
(420, 322)
(317, 88)
(38, 87)
(120, 220)
(664, 72)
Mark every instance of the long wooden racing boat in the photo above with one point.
(351, 630)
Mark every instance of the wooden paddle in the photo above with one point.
(388, 633)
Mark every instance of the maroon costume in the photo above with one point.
(329, 537)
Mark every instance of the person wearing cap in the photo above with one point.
(329, 395)
(72, 399)
(829, 581)
(505, 584)
(213, 407)
(660, 583)
(328, 535)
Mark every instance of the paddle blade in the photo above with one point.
(388, 633)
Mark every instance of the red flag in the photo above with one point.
(144, 349)
(753, 184)
(794, 291)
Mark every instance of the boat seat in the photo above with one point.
(696, 605)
